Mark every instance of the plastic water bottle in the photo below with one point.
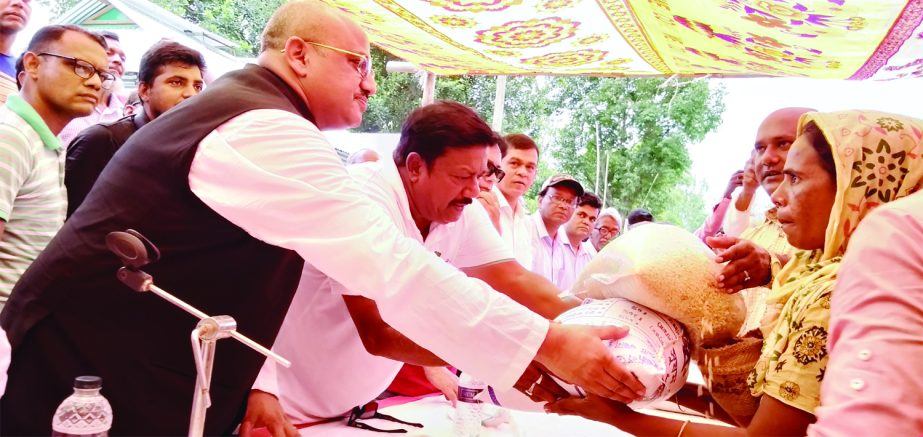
(85, 413)
(468, 408)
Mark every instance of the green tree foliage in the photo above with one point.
(400, 93)
(643, 127)
(240, 21)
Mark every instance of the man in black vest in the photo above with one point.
(238, 188)
(169, 74)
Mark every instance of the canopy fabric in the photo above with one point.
(838, 39)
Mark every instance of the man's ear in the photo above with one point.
(296, 55)
(144, 92)
(30, 64)
(415, 166)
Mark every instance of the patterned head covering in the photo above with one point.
(877, 157)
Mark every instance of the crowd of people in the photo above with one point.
(384, 276)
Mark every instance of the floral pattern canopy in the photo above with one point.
(841, 39)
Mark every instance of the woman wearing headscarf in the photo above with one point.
(843, 165)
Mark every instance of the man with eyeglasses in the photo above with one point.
(60, 83)
(111, 103)
(239, 189)
(169, 74)
(607, 228)
(556, 203)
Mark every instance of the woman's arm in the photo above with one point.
(773, 418)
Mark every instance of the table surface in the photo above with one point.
(436, 415)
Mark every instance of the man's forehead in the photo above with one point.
(589, 210)
(179, 69)
(348, 35)
(463, 156)
(82, 47)
(530, 155)
(780, 124)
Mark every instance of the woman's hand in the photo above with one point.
(592, 407)
(748, 265)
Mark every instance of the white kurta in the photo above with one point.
(331, 370)
(290, 189)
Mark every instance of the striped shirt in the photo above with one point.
(7, 87)
(33, 200)
(7, 76)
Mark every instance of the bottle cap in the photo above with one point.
(88, 382)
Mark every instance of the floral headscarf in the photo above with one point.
(877, 157)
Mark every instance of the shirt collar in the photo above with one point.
(114, 106)
(23, 109)
(540, 226)
(391, 174)
(505, 204)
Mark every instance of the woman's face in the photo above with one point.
(805, 196)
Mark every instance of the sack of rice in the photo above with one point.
(669, 270)
(656, 350)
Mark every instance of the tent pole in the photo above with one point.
(499, 100)
(429, 89)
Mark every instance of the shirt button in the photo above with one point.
(856, 384)
(865, 354)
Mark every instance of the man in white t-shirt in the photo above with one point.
(556, 203)
(343, 354)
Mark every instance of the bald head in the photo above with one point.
(786, 116)
(773, 138)
(309, 19)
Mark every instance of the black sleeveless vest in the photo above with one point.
(137, 342)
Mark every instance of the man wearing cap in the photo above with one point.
(556, 202)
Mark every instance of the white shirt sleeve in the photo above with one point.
(274, 174)
(267, 380)
(736, 221)
(482, 244)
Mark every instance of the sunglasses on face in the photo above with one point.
(370, 411)
(493, 170)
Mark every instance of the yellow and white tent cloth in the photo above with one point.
(837, 39)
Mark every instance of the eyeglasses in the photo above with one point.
(570, 203)
(605, 232)
(370, 411)
(364, 67)
(493, 170)
(86, 70)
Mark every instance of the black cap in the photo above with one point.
(88, 382)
